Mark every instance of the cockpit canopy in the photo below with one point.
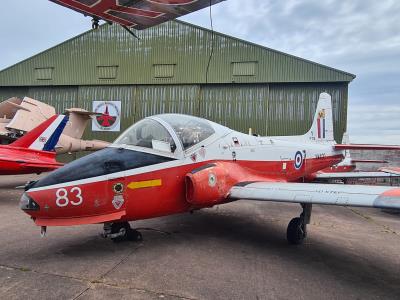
(155, 132)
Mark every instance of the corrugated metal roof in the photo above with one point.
(186, 46)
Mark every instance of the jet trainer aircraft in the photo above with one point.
(34, 152)
(170, 163)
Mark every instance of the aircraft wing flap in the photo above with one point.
(343, 175)
(313, 193)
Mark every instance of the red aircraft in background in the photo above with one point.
(34, 152)
(170, 163)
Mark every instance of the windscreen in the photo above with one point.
(189, 129)
(147, 133)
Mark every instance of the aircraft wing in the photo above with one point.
(314, 193)
(343, 175)
(31, 163)
(139, 14)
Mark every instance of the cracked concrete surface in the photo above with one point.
(235, 251)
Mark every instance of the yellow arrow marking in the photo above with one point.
(144, 184)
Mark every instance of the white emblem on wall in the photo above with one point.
(110, 118)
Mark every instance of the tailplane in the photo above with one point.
(322, 126)
(45, 136)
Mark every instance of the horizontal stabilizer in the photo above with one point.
(366, 147)
(355, 175)
(82, 112)
(391, 170)
(369, 161)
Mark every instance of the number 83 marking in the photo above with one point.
(62, 199)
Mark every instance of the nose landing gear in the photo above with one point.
(121, 231)
(297, 228)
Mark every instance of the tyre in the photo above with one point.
(122, 228)
(296, 231)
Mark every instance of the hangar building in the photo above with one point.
(246, 85)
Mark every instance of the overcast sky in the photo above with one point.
(359, 36)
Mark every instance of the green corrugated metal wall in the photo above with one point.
(275, 109)
(279, 99)
(188, 47)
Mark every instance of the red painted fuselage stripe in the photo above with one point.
(168, 198)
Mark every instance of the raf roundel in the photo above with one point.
(298, 160)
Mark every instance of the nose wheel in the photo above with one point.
(121, 231)
(297, 228)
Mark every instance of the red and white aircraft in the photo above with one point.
(170, 163)
(34, 152)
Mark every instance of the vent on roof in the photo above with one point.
(164, 71)
(107, 72)
(244, 68)
(44, 73)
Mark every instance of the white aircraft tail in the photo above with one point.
(322, 127)
(45, 136)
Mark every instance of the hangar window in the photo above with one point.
(107, 72)
(44, 73)
(244, 68)
(164, 71)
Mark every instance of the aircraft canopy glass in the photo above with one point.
(149, 134)
(189, 129)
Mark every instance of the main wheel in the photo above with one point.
(121, 228)
(296, 231)
(134, 235)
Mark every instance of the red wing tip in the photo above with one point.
(392, 193)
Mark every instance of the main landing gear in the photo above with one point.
(297, 228)
(121, 231)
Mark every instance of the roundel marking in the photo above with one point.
(298, 160)
(118, 188)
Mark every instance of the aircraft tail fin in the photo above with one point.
(45, 136)
(78, 119)
(322, 127)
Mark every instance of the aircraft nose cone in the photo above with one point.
(27, 204)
